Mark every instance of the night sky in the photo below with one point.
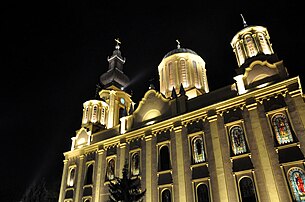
(55, 52)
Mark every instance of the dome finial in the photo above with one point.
(117, 43)
(178, 43)
(244, 21)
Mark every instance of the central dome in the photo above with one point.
(183, 66)
(180, 50)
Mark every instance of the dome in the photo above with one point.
(182, 67)
(179, 50)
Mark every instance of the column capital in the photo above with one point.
(148, 137)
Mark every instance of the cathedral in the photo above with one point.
(242, 142)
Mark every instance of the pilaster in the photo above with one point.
(218, 158)
(148, 162)
(98, 197)
(180, 164)
(263, 155)
(63, 181)
(79, 184)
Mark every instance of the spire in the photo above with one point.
(181, 91)
(131, 109)
(244, 21)
(97, 89)
(115, 75)
(117, 43)
(178, 43)
(174, 94)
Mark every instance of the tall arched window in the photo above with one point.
(251, 48)
(94, 114)
(237, 139)
(240, 53)
(247, 190)
(89, 175)
(172, 75)
(196, 75)
(135, 164)
(71, 177)
(263, 42)
(281, 129)
(166, 196)
(164, 159)
(183, 73)
(198, 150)
(103, 116)
(86, 114)
(110, 169)
(202, 193)
(296, 180)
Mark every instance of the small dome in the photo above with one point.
(179, 50)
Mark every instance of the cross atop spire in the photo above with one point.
(244, 21)
(117, 43)
(178, 43)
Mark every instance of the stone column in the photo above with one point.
(263, 156)
(79, 187)
(122, 158)
(219, 164)
(180, 164)
(99, 174)
(63, 181)
(148, 165)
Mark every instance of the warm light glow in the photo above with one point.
(81, 141)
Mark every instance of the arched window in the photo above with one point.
(86, 114)
(94, 114)
(250, 45)
(166, 196)
(87, 200)
(164, 159)
(237, 139)
(196, 75)
(172, 75)
(247, 190)
(240, 53)
(121, 112)
(183, 73)
(89, 175)
(135, 164)
(296, 180)
(198, 150)
(110, 169)
(263, 42)
(202, 193)
(71, 177)
(103, 116)
(281, 129)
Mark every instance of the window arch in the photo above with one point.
(198, 150)
(237, 140)
(166, 196)
(89, 175)
(247, 190)
(263, 42)
(86, 114)
(110, 169)
(183, 73)
(281, 128)
(164, 158)
(71, 177)
(94, 114)
(250, 45)
(240, 53)
(296, 178)
(202, 193)
(172, 75)
(135, 164)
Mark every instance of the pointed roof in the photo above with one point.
(115, 75)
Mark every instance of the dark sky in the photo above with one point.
(56, 51)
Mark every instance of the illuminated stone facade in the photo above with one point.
(243, 142)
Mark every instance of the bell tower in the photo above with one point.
(114, 82)
(258, 65)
